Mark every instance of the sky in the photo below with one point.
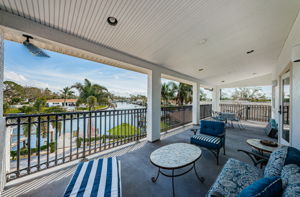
(61, 70)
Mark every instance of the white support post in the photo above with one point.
(153, 106)
(294, 105)
(216, 99)
(196, 103)
(3, 143)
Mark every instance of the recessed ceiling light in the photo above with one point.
(112, 21)
(203, 41)
(251, 51)
(201, 69)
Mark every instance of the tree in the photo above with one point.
(184, 94)
(168, 91)
(88, 89)
(66, 93)
(39, 104)
(92, 102)
(13, 93)
(249, 94)
(165, 92)
(203, 96)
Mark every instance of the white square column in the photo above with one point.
(295, 105)
(216, 94)
(196, 103)
(3, 140)
(153, 106)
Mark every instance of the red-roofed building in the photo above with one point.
(61, 102)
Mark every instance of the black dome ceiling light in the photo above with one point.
(112, 21)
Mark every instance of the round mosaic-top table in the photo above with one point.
(175, 156)
(255, 143)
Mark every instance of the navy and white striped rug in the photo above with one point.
(99, 177)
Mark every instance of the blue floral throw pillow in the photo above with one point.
(265, 187)
(276, 162)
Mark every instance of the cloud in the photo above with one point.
(13, 76)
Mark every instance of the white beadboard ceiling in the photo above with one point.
(170, 32)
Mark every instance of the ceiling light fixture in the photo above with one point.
(203, 41)
(112, 21)
(201, 69)
(251, 51)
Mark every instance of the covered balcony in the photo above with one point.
(207, 44)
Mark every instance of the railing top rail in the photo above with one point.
(67, 113)
(14, 116)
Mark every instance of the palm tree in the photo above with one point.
(67, 92)
(92, 102)
(88, 89)
(184, 93)
(165, 90)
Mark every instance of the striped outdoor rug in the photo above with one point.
(99, 177)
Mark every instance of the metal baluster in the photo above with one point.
(132, 125)
(39, 143)
(48, 139)
(95, 132)
(56, 138)
(122, 136)
(90, 132)
(18, 145)
(109, 126)
(71, 136)
(127, 128)
(29, 146)
(77, 141)
(118, 124)
(100, 130)
(84, 130)
(64, 138)
(114, 134)
(105, 115)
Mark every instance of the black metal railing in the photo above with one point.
(205, 111)
(249, 111)
(41, 141)
(172, 117)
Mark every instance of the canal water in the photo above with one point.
(100, 126)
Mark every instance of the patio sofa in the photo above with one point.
(240, 179)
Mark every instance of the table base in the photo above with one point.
(154, 179)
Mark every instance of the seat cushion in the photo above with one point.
(234, 177)
(290, 176)
(212, 127)
(264, 187)
(207, 141)
(276, 162)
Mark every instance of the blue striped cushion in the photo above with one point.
(99, 177)
(206, 141)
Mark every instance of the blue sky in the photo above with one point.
(61, 70)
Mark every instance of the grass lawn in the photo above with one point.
(163, 126)
(12, 111)
(124, 129)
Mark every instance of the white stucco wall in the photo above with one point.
(284, 61)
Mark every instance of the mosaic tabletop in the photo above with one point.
(258, 145)
(175, 155)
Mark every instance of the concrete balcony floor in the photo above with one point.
(137, 170)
